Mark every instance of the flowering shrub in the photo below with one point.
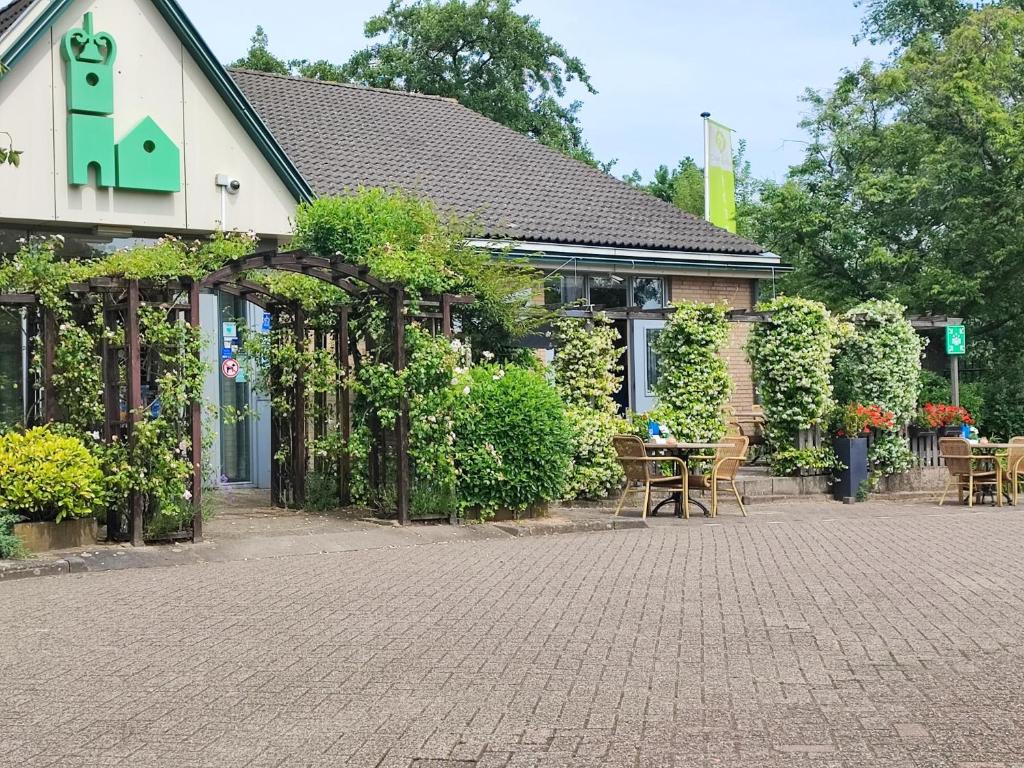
(791, 356)
(587, 373)
(856, 420)
(940, 415)
(879, 359)
(512, 440)
(693, 383)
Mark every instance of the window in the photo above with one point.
(608, 292)
(648, 292)
(651, 336)
(563, 289)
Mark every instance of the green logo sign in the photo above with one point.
(144, 159)
(956, 340)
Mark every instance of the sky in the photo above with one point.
(657, 64)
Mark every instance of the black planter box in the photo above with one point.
(853, 453)
(950, 432)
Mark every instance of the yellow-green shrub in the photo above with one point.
(48, 476)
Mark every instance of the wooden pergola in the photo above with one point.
(120, 301)
(288, 484)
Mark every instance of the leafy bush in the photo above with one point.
(890, 454)
(11, 547)
(693, 381)
(936, 388)
(879, 360)
(48, 476)
(512, 440)
(587, 373)
(791, 356)
(595, 470)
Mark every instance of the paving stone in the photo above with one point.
(811, 635)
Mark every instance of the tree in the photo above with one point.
(900, 22)
(493, 60)
(260, 58)
(910, 187)
(683, 186)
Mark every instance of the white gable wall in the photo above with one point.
(154, 76)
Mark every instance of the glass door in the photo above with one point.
(235, 443)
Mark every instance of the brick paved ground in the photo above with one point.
(799, 637)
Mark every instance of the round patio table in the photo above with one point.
(984, 449)
(684, 451)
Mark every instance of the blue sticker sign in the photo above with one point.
(266, 322)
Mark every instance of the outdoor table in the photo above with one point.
(983, 449)
(683, 451)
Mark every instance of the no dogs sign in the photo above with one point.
(229, 368)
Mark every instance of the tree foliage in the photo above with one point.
(791, 356)
(910, 188)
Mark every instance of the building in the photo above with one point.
(131, 130)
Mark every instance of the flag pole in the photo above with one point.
(707, 164)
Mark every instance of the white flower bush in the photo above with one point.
(587, 373)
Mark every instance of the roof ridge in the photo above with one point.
(338, 84)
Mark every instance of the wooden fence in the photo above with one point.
(924, 446)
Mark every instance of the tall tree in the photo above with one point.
(910, 188)
(683, 186)
(259, 57)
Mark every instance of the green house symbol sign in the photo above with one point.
(146, 158)
(956, 340)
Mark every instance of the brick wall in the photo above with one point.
(737, 293)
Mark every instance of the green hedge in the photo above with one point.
(512, 440)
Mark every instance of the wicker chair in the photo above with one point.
(724, 466)
(641, 473)
(1015, 466)
(964, 472)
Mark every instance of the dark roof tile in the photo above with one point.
(343, 136)
(11, 12)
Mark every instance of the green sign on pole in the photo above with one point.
(956, 340)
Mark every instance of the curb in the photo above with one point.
(581, 526)
(26, 569)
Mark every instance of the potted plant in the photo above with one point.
(949, 420)
(853, 424)
(920, 425)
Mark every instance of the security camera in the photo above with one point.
(226, 182)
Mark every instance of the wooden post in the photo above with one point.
(111, 404)
(319, 403)
(134, 386)
(196, 424)
(402, 424)
(954, 378)
(49, 361)
(446, 315)
(343, 403)
(275, 429)
(299, 417)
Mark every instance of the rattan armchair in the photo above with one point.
(641, 473)
(1015, 466)
(964, 472)
(723, 468)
